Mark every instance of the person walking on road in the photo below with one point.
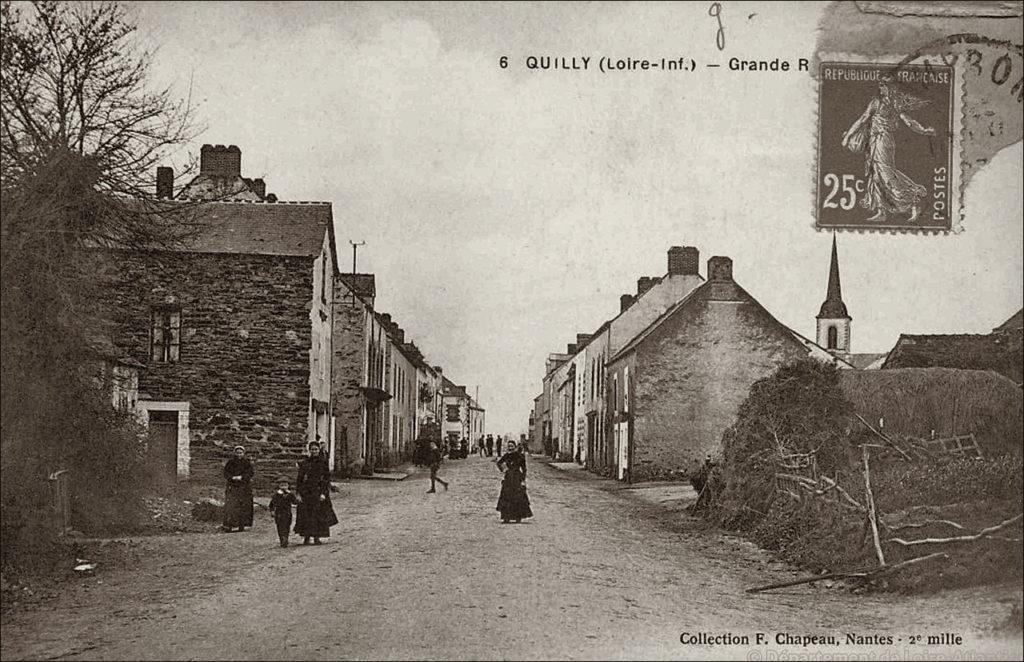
(480, 446)
(513, 502)
(497, 445)
(435, 464)
(314, 515)
(238, 473)
(490, 445)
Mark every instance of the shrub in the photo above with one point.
(798, 409)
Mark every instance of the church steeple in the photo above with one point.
(833, 318)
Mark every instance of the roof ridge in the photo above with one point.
(253, 202)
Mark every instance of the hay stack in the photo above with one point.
(916, 401)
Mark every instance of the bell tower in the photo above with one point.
(833, 320)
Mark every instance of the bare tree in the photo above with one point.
(81, 131)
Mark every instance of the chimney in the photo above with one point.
(582, 338)
(720, 269)
(400, 335)
(643, 284)
(259, 187)
(385, 319)
(570, 348)
(220, 161)
(164, 183)
(625, 301)
(683, 261)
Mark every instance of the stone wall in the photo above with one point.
(692, 373)
(349, 374)
(244, 354)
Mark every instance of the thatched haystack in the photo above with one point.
(917, 401)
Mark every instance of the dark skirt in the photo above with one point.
(313, 518)
(513, 503)
(237, 505)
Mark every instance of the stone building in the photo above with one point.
(462, 416)
(234, 329)
(675, 387)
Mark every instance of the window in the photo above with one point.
(615, 394)
(625, 388)
(323, 277)
(833, 337)
(451, 413)
(165, 335)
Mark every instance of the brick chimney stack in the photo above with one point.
(583, 338)
(683, 261)
(570, 348)
(400, 335)
(259, 187)
(625, 301)
(164, 183)
(720, 269)
(386, 320)
(220, 161)
(643, 284)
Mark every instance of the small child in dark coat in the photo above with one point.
(281, 506)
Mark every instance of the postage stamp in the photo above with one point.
(888, 146)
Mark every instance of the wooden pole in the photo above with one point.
(870, 502)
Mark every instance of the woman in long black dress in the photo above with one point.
(513, 503)
(314, 515)
(238, 473)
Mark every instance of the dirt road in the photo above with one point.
(596, 574)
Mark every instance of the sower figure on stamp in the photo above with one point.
(314, 515)
(889, 190)
(513, 502)
(281, 507)
(238, 473)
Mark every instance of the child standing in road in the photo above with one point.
(281, 506)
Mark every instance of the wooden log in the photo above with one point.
(885, 438)
(865, 573)
(984, 533)
(918, 525)
(869, 500)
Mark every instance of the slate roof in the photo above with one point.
(261, 228)
(814, 350)
(450, 388)
(865, 361)
(1015, 322)
(363, 285)
(999, 352)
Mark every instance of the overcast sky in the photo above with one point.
(505, 210)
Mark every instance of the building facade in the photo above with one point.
(676, 387)
(234, 329)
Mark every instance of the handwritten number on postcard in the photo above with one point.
(715, 12)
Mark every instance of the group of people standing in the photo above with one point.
(314, 514)
(488, 446)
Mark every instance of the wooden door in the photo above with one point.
(163, 445)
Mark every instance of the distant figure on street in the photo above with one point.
(464, 448)
(314, 516)
(281, 507)
(435, 464)
(238, 473)
(497, 445)
(513, 502)
(490, 445)
(480, 446)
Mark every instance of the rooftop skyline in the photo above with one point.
(505, 210)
